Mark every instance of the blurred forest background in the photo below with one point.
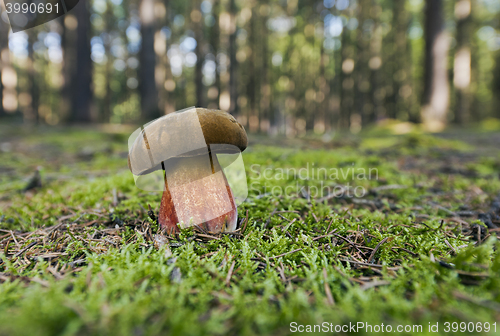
(281, 66)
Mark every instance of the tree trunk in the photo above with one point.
(4, 45)
(377, 93)
(363, 103)
(167, 90)
(323, 91)
(436, 87)
(106, 107)
(462, 63)
(252, 75)
(215, 41)
(147, 63)
(233, 63)
(400, 69)
(266, 112)
(335, 89)
(346, 81)
(68, 45)
(81, 93)
(197, 19)
(32, 109)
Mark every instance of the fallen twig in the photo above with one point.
(482, 303)
(374, 283)
(24, 249)
(328, 291)
(230, 273)
(376, 249)
(451, 247)
(286, 253)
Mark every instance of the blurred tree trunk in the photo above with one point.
(400, 69)
(4, 50)
(462, 61)
(363, 104)
(265, 85)
(436, 87)
(167, 97)
(68, 45)
(80, 84)
(323, 90)
(106, 108)
(284, 113)
(196, 18)
(147, 62)
(496, 88)
(335, 89)
(346, 81)
(252, 68)
(34, 90)
(233, 62)
(377, 92)
(310, 76)
(215, 42)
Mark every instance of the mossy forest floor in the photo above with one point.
(79, 255)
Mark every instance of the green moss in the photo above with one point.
(135, 288)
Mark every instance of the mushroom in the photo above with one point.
(184, 145)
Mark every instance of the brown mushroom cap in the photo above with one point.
(220, 127)
(185, 134)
